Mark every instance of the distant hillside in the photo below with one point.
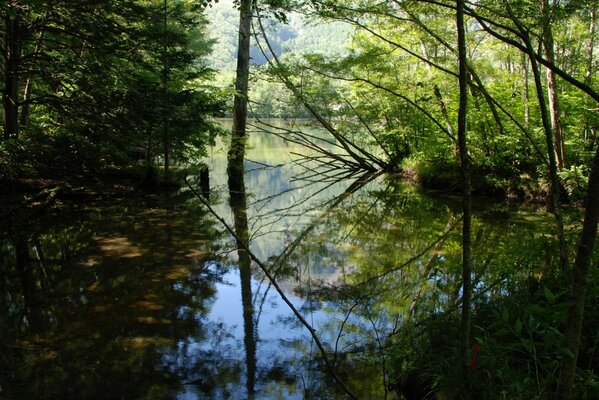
(299, 36)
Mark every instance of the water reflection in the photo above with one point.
(238, 204)
(152, 300)
(91, 296)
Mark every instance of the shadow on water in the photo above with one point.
(151, 300)
(92, 299)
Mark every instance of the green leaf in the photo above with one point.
(527, 345)
(505, 315)
(518, 326)
(566, 352)
(502, 332)
(549, 295)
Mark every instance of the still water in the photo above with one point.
(149, 297)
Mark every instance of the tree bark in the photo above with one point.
(554, 109)
(466, 199)
(555, 186)
(12, 54)
(590, 128)
(580, 274)
(238, 203)
(525, 92)
(28, 89)
(166, 140)
(439, 98)
(240, 104)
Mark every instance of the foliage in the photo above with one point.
(395, 90)
(97, 75)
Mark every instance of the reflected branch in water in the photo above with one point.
(280, 214)
(281, 293)
(330, 206)
(263, 166)
(340, 333)
(381, 349)
(450, 227)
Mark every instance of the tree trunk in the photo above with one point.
(238, 203)
(12, 54)
(439, 98)
(589, 127)
(481, 122)
(240, 105)
(555, 186)
(26, 105)
(525, 92)
(466, 201)
(554, 109)
(166, 140)
(580, 274)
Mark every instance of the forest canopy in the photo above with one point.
(85, 82)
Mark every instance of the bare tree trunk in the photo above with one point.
(555, 186)
(439, 98)
(238, 203)
(12, 54)
(580, 274)
(481, 122)
(443, 109)
(25, 108)
(479, 84)
(166, 140)
(589, 129)
(467, 200)
(26, 105)
(554, 109)
(240, 105)
(525, 92)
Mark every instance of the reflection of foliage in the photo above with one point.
(83, 307)
(395, 256)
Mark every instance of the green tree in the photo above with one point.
(91, 76)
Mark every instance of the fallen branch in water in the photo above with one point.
(284, 297)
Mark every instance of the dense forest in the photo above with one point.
(465, 101)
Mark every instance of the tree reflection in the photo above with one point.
(238, 203)
(101, 295)
(386, 266)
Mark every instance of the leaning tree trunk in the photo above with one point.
(580, 274)
(240, 105)
(467, 206)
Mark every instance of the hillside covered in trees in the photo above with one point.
(431, 126)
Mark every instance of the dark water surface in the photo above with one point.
(149, 298)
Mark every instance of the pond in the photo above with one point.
(151, 298)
